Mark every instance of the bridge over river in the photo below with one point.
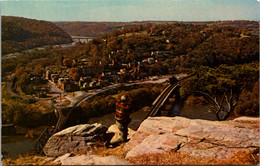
(83, 39)
(155, 110)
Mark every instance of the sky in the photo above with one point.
(133, 10)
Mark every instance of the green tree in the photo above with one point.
(222, 85)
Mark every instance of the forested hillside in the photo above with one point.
(180, 45)
(91, 29)
(21, 33)
(174, 48)
(94, 29)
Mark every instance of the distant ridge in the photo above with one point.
(20, 33)
(94, 29)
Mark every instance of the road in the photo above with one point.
(81, 95)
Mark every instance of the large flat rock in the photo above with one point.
(198, 138)
(74, 139)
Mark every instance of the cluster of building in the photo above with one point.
(66, 84)
(93, 76)
(87, 80)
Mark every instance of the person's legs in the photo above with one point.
(123, 131)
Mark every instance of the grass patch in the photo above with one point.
(176, 158)
(135, 33)
(102, 151)
(28, 160)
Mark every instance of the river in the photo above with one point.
(74, 41)
(12, 146)
(188, 111)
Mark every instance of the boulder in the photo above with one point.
(195, 137)
(68, 159)
(74, 139)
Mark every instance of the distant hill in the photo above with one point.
(94, 29)
(90, 29)
(21, 33)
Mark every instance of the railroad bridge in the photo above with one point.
(82, 39)
(64, 116)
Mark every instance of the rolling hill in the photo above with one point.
(21, 33)
(94, 29)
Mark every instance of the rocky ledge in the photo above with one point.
(196, 138)
(74, 139)
(159, 135)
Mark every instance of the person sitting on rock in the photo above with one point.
(123, 111)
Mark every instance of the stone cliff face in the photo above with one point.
(198, 138)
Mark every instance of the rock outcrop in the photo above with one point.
(201, 139)
(68, 159)
(198, 138)
(74, 139)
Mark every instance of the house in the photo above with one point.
(104, 81)
(85, 85)
(150, 60)
(60, 81)
(124, 64)
(36, 79)
(66, 84)
(144, 61)
(84, 80)
(93, 84)
(54, 78)
(107, 78)
(122, 71)
(84, 62)
(48, 74)
(155, 53)
(111, 65)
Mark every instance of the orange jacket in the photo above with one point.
(123, 110)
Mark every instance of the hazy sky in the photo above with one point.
(133, 10)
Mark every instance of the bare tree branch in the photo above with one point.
(214, 99)
(231, 94)
(228, 102)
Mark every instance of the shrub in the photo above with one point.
(196, 100)
(249, 102)
(101, 105)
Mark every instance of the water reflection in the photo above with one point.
(192, 112)
(180, 109)
(12, 146)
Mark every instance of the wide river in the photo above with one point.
(75, 39)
